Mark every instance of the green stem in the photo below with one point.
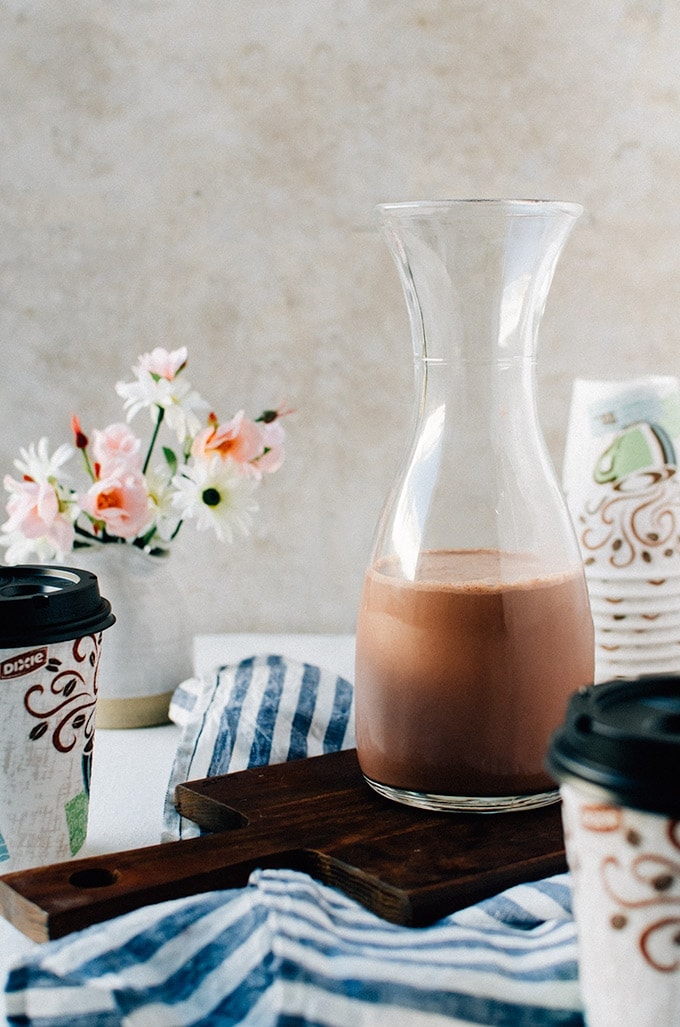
(88, 465)
(101, 539)
(159, 421)
(143, 541)
(81, 531)
(87, 534)
(176, 531)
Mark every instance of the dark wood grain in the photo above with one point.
(406, 865)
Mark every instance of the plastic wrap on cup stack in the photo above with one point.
(622, 487)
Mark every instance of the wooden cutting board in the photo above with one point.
(317, 815)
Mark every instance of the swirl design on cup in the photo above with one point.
(648, 883)
(66, 706)
(635, 521)
(667, 932)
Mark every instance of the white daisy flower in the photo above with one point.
(216, 494)
(161, 494)
(176, 398)
(21, 549)
(37, 464)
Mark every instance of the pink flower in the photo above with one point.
(272, 458)
(119, 501)
(116, 448)
(240, 439)
(162, 363)
(34, 511)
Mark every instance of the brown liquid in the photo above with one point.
(459, 685)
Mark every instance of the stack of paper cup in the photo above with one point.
(623, 491)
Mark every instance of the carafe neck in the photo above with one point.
(476, 273)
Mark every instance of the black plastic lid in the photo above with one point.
(40, 604)
(624, 737)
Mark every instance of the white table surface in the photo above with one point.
(131, 769)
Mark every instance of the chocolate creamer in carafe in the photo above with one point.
(474, 627)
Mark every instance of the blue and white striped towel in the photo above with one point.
(287, 950)
(266, 709)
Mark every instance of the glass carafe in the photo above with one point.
(474, 626)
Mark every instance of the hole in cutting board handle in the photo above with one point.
(94, 877)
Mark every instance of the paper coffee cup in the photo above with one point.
(634, 589)
(51, 624)
(617, 758)
(619, 475)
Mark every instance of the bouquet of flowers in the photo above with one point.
(134, 495)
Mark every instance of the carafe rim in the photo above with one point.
(512, 206)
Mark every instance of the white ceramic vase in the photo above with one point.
(148, 649)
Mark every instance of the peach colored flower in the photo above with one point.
(119, 501)
(35, 512)
(116, 447)
(240, 439)
(163, 363)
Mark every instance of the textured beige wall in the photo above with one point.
(203, 172)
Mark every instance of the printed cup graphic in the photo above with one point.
(626, 895)
(617, 759)
(619, 476)
(51, 624)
